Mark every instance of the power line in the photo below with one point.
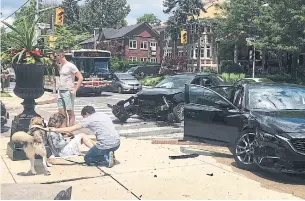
(15, 11)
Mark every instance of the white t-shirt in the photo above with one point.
(67, 76)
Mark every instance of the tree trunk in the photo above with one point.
(235, 53)
(294, 65)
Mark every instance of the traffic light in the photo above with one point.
(183, 38)
(59, 16)
(52, 39)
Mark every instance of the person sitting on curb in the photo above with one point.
(64, 147)
(107, 138)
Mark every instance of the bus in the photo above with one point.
(94, 66)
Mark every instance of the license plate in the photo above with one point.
(134, 87)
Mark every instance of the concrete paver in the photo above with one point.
(60, 171)
(192, 183)
(102, 188)
(6, 177)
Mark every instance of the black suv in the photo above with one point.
(165, 100)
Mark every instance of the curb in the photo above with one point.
(52, 99)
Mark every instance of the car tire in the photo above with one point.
(120, 90)
(178, 112)
(244, 153)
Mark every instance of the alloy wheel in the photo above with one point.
(245, 149)
(180, 111)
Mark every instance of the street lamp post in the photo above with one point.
(249, 40)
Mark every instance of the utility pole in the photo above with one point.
(94, 33)
(253, 67)
(198, 33)
(53, 36)
(36, 18)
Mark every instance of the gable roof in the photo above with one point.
(110, 33)
(90, 40)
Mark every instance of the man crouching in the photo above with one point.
(107, 138)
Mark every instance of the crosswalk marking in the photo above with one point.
(134, 127)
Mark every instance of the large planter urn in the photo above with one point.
(29, 86)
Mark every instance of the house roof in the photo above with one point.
(110, 33)
(90, 40)
(124, 30)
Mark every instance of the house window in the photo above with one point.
(153, 60)
(196, 52)
(153, 44)
(168, 53)
(208, 49)
(202, 52)
(209, 39)
(143, 59)
(192, 52)
(132, 58)
(208, 29)
(132, 44)
(144, 45)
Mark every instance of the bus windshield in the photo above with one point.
(92, 66)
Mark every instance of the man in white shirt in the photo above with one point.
(67, 89)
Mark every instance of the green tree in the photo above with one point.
(68, 39)
(72, 14)
(104, 13)
(150, 19)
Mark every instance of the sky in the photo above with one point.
(138, 8)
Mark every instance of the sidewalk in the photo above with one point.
(144, 171)
(14, 102)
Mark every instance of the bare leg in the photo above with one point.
(86, 140)
(62, 111)
(71, 117)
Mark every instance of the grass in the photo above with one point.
(5, 94)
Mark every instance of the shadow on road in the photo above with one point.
(5, 129)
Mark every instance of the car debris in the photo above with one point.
(184, 156)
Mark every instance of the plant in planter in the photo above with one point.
(29, 65)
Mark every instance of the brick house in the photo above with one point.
(168, 46)
(136, 42)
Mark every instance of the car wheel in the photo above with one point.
(178, 112)
(120, 90)
(243, 150)
(120, 113)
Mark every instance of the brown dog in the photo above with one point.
(34, 142)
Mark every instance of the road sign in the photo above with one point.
(43, 25)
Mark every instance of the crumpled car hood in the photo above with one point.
(159, 91)
(282, 121)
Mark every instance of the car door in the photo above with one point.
(210, 117)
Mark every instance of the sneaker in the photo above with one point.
(110, 159)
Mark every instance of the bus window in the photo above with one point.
(101, 65)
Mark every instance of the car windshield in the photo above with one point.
(132, 69)
(175, 82)
(125, 77)
(277, 98)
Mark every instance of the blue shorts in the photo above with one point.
(67, 97)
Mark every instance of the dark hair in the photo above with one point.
(88, 110)
(56, 120)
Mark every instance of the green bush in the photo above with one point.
(232, 77)
(210, 70)
(231, 67)
(151, 81)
